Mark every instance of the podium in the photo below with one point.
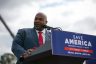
(43, 55)
(65, 48)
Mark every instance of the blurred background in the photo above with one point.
(71, 15)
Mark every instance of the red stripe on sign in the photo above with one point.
(78, 50)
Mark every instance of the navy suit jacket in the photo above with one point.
(26, 39)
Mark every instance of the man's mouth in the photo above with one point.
(37, 25)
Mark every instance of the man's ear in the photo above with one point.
(46, 22)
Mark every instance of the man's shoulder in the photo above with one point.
(26, 29)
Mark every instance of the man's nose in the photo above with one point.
(36, 20)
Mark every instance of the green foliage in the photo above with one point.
(8, 58)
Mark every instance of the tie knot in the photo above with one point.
(40, 32)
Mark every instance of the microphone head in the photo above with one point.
(48, 27)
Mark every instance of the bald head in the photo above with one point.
(40, 20)
(42, 15)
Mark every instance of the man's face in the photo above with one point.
(39, 21)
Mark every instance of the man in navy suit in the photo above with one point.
(26, 39)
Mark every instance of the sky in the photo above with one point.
(71, 15)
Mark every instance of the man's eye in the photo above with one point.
(41, 19)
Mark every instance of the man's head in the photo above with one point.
(39, 21)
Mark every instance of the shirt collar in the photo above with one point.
(43, 31)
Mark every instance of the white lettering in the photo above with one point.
(77, 42)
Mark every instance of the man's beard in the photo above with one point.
(39, 28)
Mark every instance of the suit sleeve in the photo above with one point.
(18, 44)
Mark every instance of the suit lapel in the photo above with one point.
(35, 37)
(47, 36)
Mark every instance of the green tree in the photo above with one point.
(8, 58)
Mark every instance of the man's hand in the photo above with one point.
(27, 53)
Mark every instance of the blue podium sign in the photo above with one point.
(73, 44)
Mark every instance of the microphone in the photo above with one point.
(48, 27)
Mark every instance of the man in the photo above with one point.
(28, 39)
